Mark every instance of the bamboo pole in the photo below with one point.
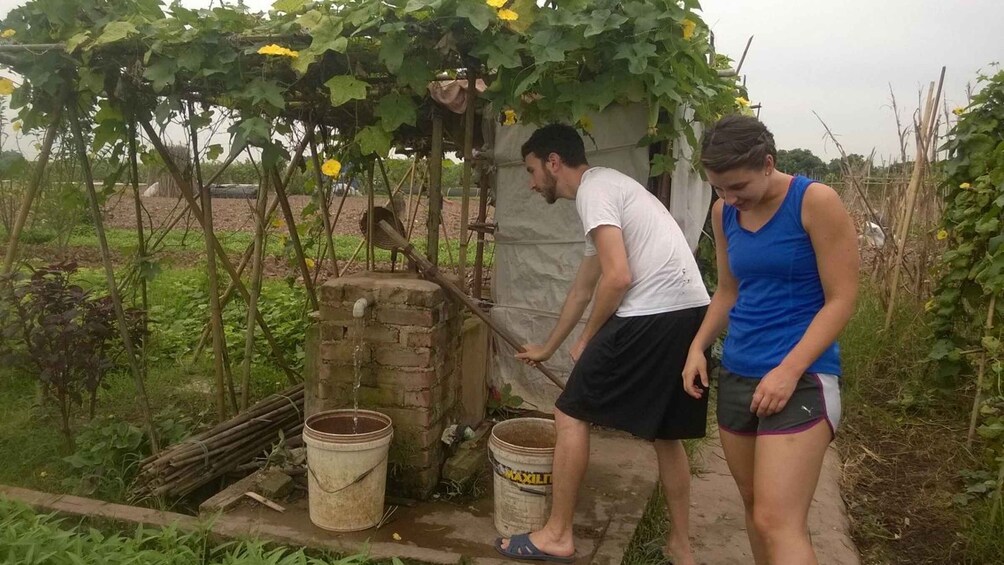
(981, 370)
(465, 198)
(322, 193)
(225, 261)
(106, 258)
(370, 251)
(923, 142)
(215, 310)
(29, 197)
(256, 276)
(435, 189)
(287, 212)
(141, 249)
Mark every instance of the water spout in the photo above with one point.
(359, 308)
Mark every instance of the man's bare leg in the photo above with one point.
(674, 472)
(571, 456)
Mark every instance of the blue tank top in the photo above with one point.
(779, 289)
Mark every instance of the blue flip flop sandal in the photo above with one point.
(520, 547)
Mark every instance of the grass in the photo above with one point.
(28, 538)
(902, 443)
(191, 243)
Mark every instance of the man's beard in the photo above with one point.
(550, 190)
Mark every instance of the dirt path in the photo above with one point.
(720, 528)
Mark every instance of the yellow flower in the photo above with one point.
(6, 86)
(965, 186)
(278, 50)
(496, 3)
(586, 123)
(7, 33)
(16, 125)
(688, 28)
(929, 306)
(331, 167)
(277, 223)
(942, 235)
(310, 263)
(43, 474)
(742, 102)
(510, 118)
(959, 111)
(508, 15)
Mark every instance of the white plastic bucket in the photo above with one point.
(347, 470)
(521, 451)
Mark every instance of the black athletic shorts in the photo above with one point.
(630, 377)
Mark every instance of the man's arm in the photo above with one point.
(571, 311)
(614, 281)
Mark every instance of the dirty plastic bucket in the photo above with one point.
(346, 470)
(521, 451)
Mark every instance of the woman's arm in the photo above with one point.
(717, 316)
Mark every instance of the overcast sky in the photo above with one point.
(837, 58)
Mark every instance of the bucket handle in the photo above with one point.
(498, 468)
(358, 479)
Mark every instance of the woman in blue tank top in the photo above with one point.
(787, 259)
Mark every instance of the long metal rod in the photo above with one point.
(430, 271)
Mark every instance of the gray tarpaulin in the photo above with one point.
(538, 246)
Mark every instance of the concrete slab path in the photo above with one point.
(718, 518)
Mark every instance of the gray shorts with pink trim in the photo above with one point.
(816, 398)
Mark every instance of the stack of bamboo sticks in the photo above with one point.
(184, 467)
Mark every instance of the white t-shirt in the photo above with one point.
(664, 274)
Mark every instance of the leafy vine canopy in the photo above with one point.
(360, 67)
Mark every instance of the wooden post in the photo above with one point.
(470, 111)
(923, 142)
(224, 260)
(479, 255)
(435, 189)
(215, 310)
(106, 258)
(33, 188)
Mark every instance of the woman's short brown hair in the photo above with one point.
(735, 142)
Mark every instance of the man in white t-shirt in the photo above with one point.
(649, 302)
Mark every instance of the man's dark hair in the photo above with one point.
(735, 142)
(560, 139)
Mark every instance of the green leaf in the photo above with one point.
(396, 109)
(288, 6)
(344, 88)
(161, 73)
(76, 41)
(261, 90)
(328, 36)
(214, 151)
(501, 53)
(392, 48)
(416, 5)
(310, 20)
(415, 75)
(374, 139)
(480, 14)
(116, 31)
(603, 20)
